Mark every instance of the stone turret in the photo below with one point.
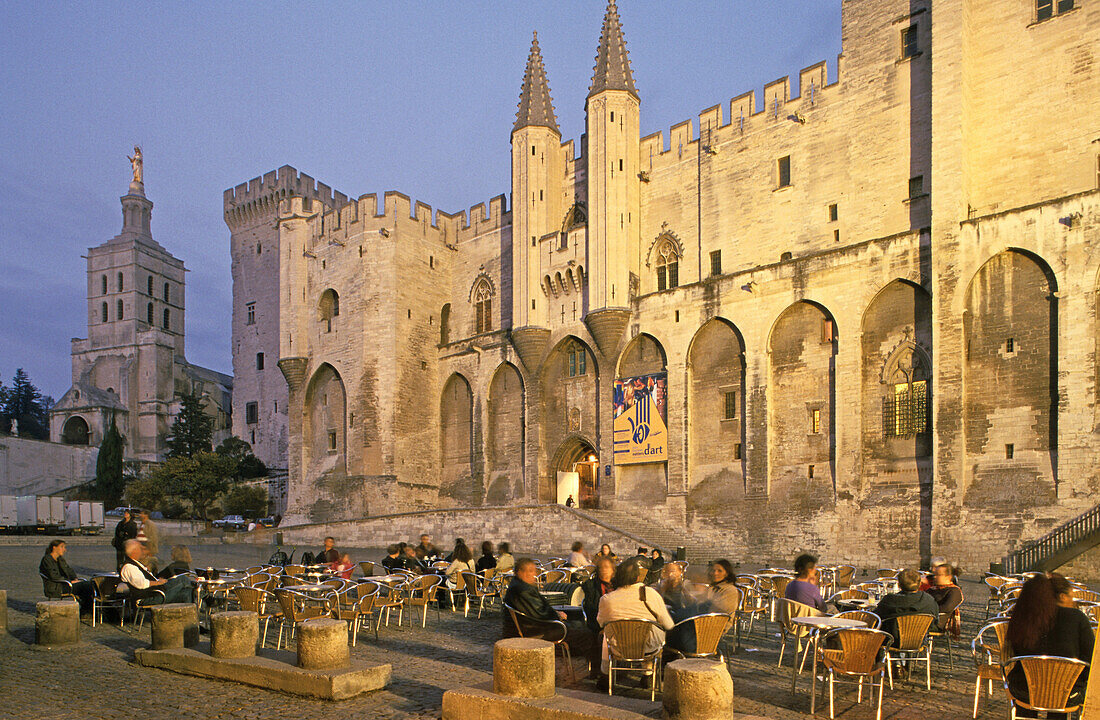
(614, 195)
(537, 176)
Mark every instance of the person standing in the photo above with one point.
(125, 530)
(152, 540)
(56, 573)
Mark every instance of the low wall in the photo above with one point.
(531, 529)
(39, 467)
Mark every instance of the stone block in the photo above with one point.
(174, 625)
(523, 667)
(482, 703)
(234, 634)
(57, 622)
(697, 689)
(323, 644)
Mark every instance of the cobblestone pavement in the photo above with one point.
(99, 679)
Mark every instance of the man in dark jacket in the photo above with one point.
(126, 529)
(57, 576)
(524, 596)
(909, 601)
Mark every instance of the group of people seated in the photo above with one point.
(419, 558)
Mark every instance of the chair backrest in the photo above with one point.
(105, 585)
(553, 576)
(1049, 681)
(557, 563)
(888, 573)
(860, 648)
(526, 626)
(912, 630)
(709, 630)
(337, 583)
(627, 639)
(250, 598)
(865, 616)
(993, 582)
(254, 569)
(489, 573)
(746, 580)
(850, 594)
(791, 609)
(843, 576)
(1086, 595)
(475, 584)
(367, 568)
(440, 565)
(288, 601)
(295, 570)
(991, 650)
(779, 585)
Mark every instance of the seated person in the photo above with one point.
(505, 561)
(486, 561)
(803, 588)
(948, 596)
(722, 594)
(605, 551)
(459, 542)
(412, 562)
(463, 562)
(394, 559)
(328, 554)
(577, 557)
(139, 579)
(181, 562)
(1045, 622)
(343, 566)
(57, 575)
(633, 600)
(425, 551)
(910, 600)
(676, 596)
(926, 580)
(595, 588)
(524, 597)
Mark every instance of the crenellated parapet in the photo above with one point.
(260, 196)
(745, 116)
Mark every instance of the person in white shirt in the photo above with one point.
(140, 579)
(633, 600)
(577, 558)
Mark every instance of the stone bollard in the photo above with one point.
(234, 634)
(175, 625)
(57, 622)
(523, 667)
(323, 644)
(3, 610)
(697, 689)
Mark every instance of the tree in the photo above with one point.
(192, 429)
(247, 500)
(197, 480)
(109, 480)
(248, 465)
(23, 403)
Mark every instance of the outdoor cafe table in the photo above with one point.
(212, 588)
(816, 626)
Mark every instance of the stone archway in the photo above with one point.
(76, 431)
(578, 454)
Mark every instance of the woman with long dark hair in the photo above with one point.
(1045, 622)
(486, 561)
(722, 592)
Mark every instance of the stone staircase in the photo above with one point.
(1058, 546)
(654, 533)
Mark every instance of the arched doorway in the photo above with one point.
(576, 469)
(75, 431)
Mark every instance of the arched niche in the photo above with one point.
(76, 431)
(325, 423)
(569, 384)
(505, 435)
(457, 441)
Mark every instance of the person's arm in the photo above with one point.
(51, 570)
(133, 577)
(66, 570)
(1086, 638)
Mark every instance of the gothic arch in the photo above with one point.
(324, 437)
(570, 402)
(76, 431)
(664, 238)
(456, 431)
(575, 217)
(504, 447)
(642, 355)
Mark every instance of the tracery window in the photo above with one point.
(483, 307)
(905, 405)
(668, 266)
(576, 359)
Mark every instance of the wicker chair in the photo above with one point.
(630, 647)
(859, 657)
(988, 657)
(106, 596)
(421, 594)
(553, 631)
(456, 584)
(367, 568)
(936, 632)
(1050, 683)
(391, 596)
(478, 588)
(913, 645)
(552, 576)
(754, 603)
(296, 608)
(842, 578)
(353, 606)
(994, 583)
(261, 602)
(865, 616)
(295, 571)
(709, 631)
(142, 600)
(1085, 595)
(788, 610)
(838, 599)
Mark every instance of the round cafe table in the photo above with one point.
(817, 626)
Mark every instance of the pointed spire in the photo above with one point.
(612, 71)
(536, 107)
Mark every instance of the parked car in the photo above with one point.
(117, 512)
(267, 522)
(231, 522)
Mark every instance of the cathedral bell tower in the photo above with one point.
(612, 121)
(537, 178)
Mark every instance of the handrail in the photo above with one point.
(1065, 535)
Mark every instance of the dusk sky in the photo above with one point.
(418, 97)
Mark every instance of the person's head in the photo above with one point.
(330, 543)
(392, 550)
(504, 549)
(1034, 614)
(459, 542)
(56, 548)
(605, 549)
(345, 559)
(605, 569)
(486, 549)
(632, 571)
(410, 551)
(463, 554)
(425, 539)
(643, 551)
(526, 570)
(936, 562)
(804, 565)
(943, 575)
(133, 549)
(909, 580)
(672, 574)
(144, 515)
(657, 554)
(180, 553)
(721, 571)
(1063, 590)
(126, 516)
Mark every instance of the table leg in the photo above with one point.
(813, 678)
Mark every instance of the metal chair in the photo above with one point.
(367, 567)
(913, 645)
(788, 610)
(66, 587)
(552, 576)
(753, 604)
(553, 631)
(842, 577)
(709, 631)
(1050, 682)
(142, 600)
(354, 604)
(994, 583)
(106, 596)
(261, 602)
(296, 608)
(944, 622)
(859, 657)
(865, 616)
(391, 596)
(479, 589)
(630, 646)
(989, 657)
(421, 594)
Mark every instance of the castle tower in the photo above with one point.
(612, 122)
(537, 177)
